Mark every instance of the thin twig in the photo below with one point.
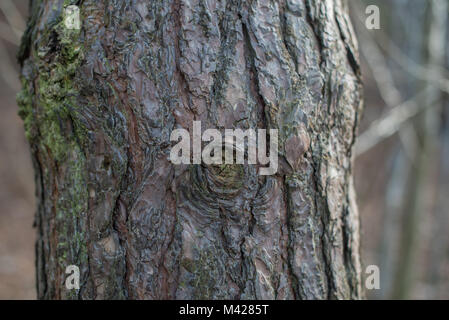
(391, 122)
(13, 16)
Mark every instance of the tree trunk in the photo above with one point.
(99, 105)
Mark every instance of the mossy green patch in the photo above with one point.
(205, 270)
(46, 104)
(49, 108)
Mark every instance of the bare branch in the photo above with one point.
(391, 123)
(13, 16)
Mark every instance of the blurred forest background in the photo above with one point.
(402, 156)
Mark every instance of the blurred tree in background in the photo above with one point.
(407, 61)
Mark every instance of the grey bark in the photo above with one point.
(99, 106)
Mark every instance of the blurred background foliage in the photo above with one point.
(401, 160)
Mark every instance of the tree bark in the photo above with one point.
(99, 105)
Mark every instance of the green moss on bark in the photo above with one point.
(53, 93)
(48, 106)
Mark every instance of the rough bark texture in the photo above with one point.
(99, 105)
